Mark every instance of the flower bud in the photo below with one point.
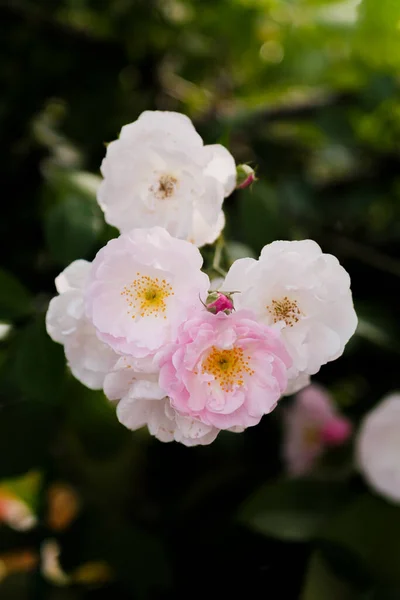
(217, 302)
(336, 431)
(245, 176)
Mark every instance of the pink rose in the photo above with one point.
(311, 424)
(225, 370)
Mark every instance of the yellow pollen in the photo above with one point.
(146, 296)
(228, 367)
(285, 310)
(166, 187)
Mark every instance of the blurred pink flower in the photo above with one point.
(226, 370)
(378, 447)
(311, 424)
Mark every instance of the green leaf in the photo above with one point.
(293, 510)
(378, 22)
(26, 487)
(39, 364)
(84, 183)
(369, 528)
(236, 250)
(15, 300)
(92, 417)
(322, 583)
(258, 216)
(72, 228)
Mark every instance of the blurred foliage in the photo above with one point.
(306, 90)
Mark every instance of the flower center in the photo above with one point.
(284, 310)
(166, 187)
(147, 296)
(228, 367)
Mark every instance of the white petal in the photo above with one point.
(202, 232)
(73, 277)
(238, 277)
(88, 358)
(296, 384)
(222, 166)
(159, 424)
(306, 248)
(173, 124)
(192, 428)
(133, 413)
(146, 390)
(117, 383)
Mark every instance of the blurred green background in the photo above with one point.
(309, 92)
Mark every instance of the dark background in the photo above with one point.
(306, 91)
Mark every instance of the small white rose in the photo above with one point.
(301, 291)
(159, 173)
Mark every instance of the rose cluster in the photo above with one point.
(143, 322)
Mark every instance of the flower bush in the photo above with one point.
(281, 419)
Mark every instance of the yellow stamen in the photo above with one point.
(146, 296)
(166, 187)
(228, 367)
(286, 310)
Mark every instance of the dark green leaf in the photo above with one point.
(236, 250)
(293, 510)
(15, 300)
(72, 228)
(39, 364)
(369, 528)
(322, 584)
(93, 418)
(26, 429)
(258, 215)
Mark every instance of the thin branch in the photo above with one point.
(217, 257)
(365, 254)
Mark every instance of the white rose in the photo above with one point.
(142, 286)
(159, 173)
(303, 292)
